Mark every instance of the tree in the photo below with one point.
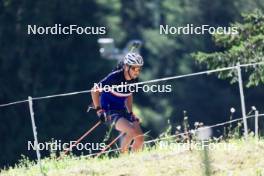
(245, 47)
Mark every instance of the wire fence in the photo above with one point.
(180, 134)
(139, 83)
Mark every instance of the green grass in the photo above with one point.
(243, 158)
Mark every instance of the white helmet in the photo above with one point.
(133, 59)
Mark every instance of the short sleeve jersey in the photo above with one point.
(114, 98)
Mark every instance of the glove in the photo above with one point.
(102, 115)
(133, 117)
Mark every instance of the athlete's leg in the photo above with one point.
(125, 126)
(138, 137)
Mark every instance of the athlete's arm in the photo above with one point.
(129, 103)
(108, 80)
(96, 97)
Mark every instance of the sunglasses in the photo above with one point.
(136, 69)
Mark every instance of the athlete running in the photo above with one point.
(115, 105)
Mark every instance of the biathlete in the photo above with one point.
(115, 106)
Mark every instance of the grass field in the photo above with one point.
(236, 157)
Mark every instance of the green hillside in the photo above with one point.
(235, 157)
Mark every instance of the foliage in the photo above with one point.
(168, 160)
(245, 47)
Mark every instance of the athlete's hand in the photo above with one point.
(134, 117)
(102, 115)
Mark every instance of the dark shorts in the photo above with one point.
(116, 115)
